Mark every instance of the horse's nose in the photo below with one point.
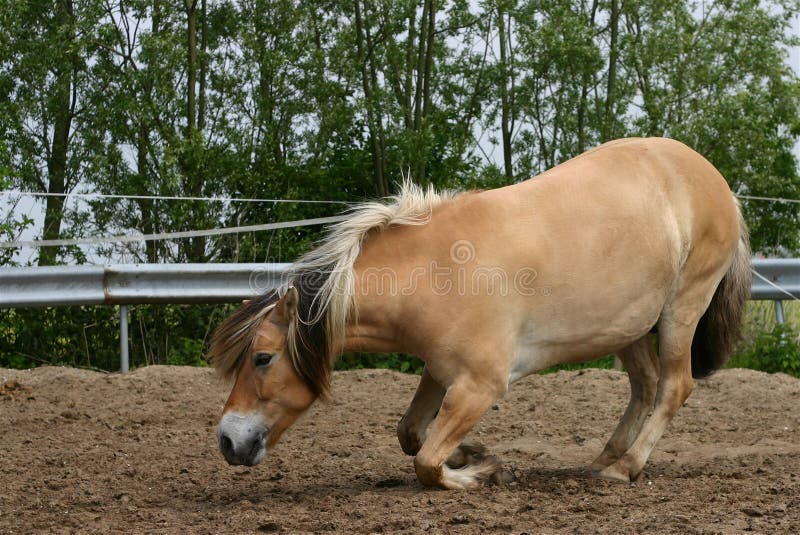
(241, 440)
(226, 447)
(248, 451)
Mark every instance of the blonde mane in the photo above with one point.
(326, 283)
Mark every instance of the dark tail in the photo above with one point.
(720, 327)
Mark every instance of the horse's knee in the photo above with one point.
(407, 436)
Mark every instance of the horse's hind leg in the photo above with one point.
(641, 362)
(675, 384)
(412, 429)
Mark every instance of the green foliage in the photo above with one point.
(387, 361)
(82, 336)
(772, 351)
(187, 352)
(605, 363)
(89, 336)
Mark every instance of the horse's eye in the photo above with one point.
(261, 360)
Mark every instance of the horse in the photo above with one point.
(633, 239)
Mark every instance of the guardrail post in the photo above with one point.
(123, 338)
(779, 312)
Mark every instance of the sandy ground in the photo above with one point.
(84, 451)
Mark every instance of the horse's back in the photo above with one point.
(652, 195)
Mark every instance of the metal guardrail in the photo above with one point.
(135, 284)
(784, 273)
(125, 285)
(220, 283)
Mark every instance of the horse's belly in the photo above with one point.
(572, 336)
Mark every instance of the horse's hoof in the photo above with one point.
(502, 477)
(615, 473)
(598, 467)
(603, 460)
(467, 453)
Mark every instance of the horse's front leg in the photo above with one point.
(413, 427)
(463, 405)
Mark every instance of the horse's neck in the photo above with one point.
(371, 330)
(374, 326)
(369, 339)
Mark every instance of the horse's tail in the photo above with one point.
(720, 327)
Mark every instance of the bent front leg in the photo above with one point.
(464, 404)
(413, 426)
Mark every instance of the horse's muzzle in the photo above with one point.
(242, 439)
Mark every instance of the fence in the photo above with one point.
(123, 285)
(135, 284)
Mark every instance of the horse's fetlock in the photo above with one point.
(428, 474)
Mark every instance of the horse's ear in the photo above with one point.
(286, 307)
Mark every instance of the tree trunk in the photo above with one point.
(59, 148)
(426, 89)
(505, 102)
(409, 74)
(145, 205)
(613, 54)
(201, 105)
(191, 166)
(191, 65)
(145, 184)
(585, 83)
(377, 144)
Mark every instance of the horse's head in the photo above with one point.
(268, 393)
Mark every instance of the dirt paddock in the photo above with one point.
(84, 451)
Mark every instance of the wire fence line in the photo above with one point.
(170, 235)
(777, 287)
(769, 199)
(133, 238)
(9, 193)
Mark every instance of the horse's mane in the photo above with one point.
(326, 283)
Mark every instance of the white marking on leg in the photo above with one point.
(470, 476)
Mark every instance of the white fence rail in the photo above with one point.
(774, 279)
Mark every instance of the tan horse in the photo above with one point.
(633, 237)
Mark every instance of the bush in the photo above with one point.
(772, 351)
(187, 352)
(387, 361)
(88, 337)
(604, 363)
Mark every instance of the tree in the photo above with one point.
(720, 82)
(44, 78)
